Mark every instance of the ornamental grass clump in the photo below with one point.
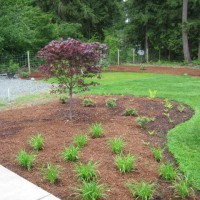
(70, 153)
(51, 172)
(142, 121)
(25, 160)
(37, 142)
(131, 112)
(91, 191)
(86, 172)
(167, 171)
(125, 163)
(141, 190)
(111, 103)
(116, 145)
(88, 102)
(96, 130)
(80, 140)
(158, 153)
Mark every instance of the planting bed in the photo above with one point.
(16, 127)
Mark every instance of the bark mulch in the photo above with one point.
(17, 125)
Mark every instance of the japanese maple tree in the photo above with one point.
(71, 62)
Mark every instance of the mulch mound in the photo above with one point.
(16, 127)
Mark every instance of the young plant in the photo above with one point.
(130, 112)
(111, 103)
(88, 102)
(153, 132)
(96, 130)
(63, 99)
(167, 104)
(158, 153)
(181, 187)
(125, 163)
(152, 94)
(167, 171)
(142, 121)
(91, 191)
(141, 190)
(116, 144)
(142, 67)
(51, 172)
(37, 142)
(26, 160)
(80, 140)
(86, 172)
(70, 153)
(181, 108)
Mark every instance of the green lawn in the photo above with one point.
(183, 140)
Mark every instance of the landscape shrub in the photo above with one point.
(96, 130)
(88, 102)
(116, 145)
(167, 171)
(158, 153)
(70, 153)
(111, 103)
(37, 142)
(142, 121)
(130, 112)
(80, 140)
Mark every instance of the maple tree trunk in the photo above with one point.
(70, 104)
(199, 51)
(186, 51)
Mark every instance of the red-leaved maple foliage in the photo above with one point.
(71, 62)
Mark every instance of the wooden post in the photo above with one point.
(29, 66)
(147, 55)
(133, 56)
(118, 57)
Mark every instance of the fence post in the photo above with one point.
(28, 58)
(118, 56)
(133, 56)
(147, 55)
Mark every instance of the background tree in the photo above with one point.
(72, 61)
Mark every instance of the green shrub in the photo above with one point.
(91, 191)
(167, 104)
(88, 102)
(130, 112)
(141, 190)
(80, 140)
(96, 130)
(70, 153)
(63, 99)
(116, 144)
(167, 171)
(26, 160)
(86, 172)
(158, 153)
(181, 108)
(111, 103)
(37, 142)
(143, 67)
(152, 94)
(24, 74)
(125, 163)
(51, 172)
(142, 121)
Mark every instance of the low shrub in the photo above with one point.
(125, 163)
(130, 112)
(167, 171)
(116, 144)
(51, 172)
(142, 121)
(26, 160)
(86, 172)
(37, 142)
(158, 153)
(63, 99)
(24, 74)
(111, 103)
(80, 140)
(88, 102)
(96, 130)
(141, 190)
(70, 153)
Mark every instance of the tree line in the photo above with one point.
(171, 28)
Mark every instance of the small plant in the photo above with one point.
(37, 142)
(70, 153)
(116, 144)
(153, 132)
(158, 153)
(125, 163)
(51, 172)
(86, 172)
(24, 74)
(167, 104)
(26, 160)
(88, 102)
(167, 171)
(91, 191)
(166, 114)
(152, 94)
(142, 67)
(181, 187)
(13, 67)
(96, 130)
(181, 108)
(141, 190)
(142, 121)
(63, 99)
(111, 103)
(130, 112)
(80, 140)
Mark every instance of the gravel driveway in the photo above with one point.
(12, 88)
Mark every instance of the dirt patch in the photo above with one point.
(16, 127)
(156, 70)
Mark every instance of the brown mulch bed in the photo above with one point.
(156, 70)
(16, 127)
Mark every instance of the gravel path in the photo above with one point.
(12, 88)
